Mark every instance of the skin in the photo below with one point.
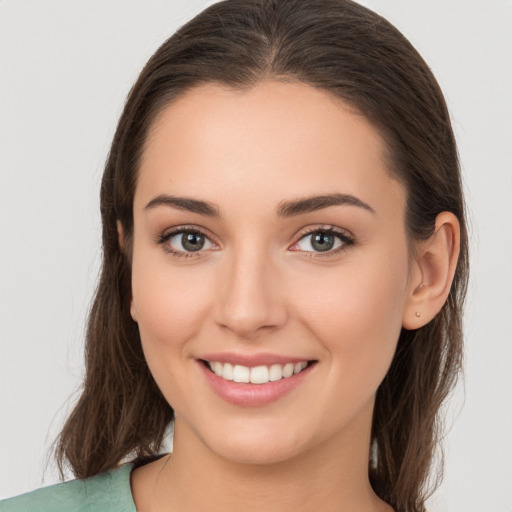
(259, 286)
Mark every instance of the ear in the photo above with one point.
(121, 240)
(432, 272)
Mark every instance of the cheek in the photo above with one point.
(357, 315)
(170, 310)
(169, 304)
(162, 309)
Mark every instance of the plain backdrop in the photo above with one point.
(65, 70)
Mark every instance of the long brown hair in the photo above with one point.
(348, 51)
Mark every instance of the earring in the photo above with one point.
(418, 314)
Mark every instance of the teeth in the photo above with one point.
(256, 374)
(217, 368)
(241, 373)
(276, 372)
(299, 367)
(288, 370)
(227, 372)
(259, 375)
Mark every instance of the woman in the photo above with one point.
(285, 261)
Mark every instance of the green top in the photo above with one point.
(109, 491)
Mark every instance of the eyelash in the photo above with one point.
(329, 231)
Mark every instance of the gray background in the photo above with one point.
(65, 70)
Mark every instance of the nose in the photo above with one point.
(250, 299)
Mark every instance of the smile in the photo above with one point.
(256, 374)
(254, 380)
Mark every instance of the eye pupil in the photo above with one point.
(322, 242)
(192, 241)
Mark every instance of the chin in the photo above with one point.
(251, 453)
(256, 444)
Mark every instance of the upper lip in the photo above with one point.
(251, 360)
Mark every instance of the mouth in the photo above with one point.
(261, 374)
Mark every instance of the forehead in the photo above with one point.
(274, 140)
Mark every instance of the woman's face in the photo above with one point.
(267, 233)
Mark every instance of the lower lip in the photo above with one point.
(252, 395)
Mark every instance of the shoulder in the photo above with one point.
(106, 491)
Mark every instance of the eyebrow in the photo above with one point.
(285, 209)
(313, 203)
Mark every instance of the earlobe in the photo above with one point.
(432, 276)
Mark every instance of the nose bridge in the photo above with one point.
(248, 297)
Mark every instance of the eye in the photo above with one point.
(183, 242)
(324, 241)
